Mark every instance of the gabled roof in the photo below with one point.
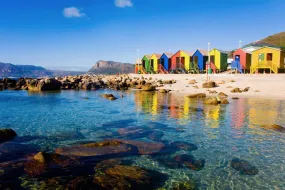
(203, 52)
(156, 55)
(224, 52)
(188, 52)
(147, 56)
(168, 54)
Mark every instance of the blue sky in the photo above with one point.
(77, 33)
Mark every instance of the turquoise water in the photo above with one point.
(46, 121)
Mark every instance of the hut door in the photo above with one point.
(162, 62)
(169, 63)
(177, 62)
(196, 59)
(212, 59)
(237, 58)
(143, 63)
(152, 63)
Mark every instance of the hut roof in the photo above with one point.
(203, 52)
(147, 56)
(188, 52)
(157, 55)
(168, 54)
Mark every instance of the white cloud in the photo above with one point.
(123, 3)
(72, 12)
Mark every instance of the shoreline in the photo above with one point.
(270, 86)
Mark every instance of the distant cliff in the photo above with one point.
(111, 67)
(10, 70)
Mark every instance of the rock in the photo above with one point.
(44, 85)
(190, 162)
(232, 81)
(123, 177)
(2, 87)
(188, 185)
(145, 148)
(246, 89)
(229, 87)
(198, 95)
(105, 148)
(257, 91)
(236, 90)
(167, 82)
(210, 84)
(7, 134)
(40, 157)
(138, 87)
(156, 135)
(148, 87)
(134, 132)
(221, 94)
(224, 101)
(109, 96)
(163, 91)
(211, 101)
(235, 98)
(196, 87)
(192, 81)
(274, 127)
(243, 166)
(213, 92)
(184, 146)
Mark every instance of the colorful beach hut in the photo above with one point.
(154, 62)
(181, 60)
(165, 61)
(200, 58)
(146, 63)
(241, 60)
(267, 58)
(218, 60)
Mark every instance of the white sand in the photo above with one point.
(270, 85)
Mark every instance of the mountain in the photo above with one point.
(111, 67)
(10, 70)
(276, 39)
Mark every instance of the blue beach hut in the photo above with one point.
(165, 60)
(200, 58)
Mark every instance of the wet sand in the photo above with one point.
(261, 86)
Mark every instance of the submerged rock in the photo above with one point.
(105, 148)
(184, 145)
(134, 132)
(7, 134)
(156, 135)
(274, 127)
(235, 98)
(109, 96)
(243, 166)
(188, 185)
(199, 95)
(210, 84)
(122, 177)
(119, 124)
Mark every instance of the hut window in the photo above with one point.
(269, 57)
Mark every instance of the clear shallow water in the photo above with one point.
(51, 120)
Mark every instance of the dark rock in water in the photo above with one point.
(12, 151)
(144, 148)
(274, 127)
(184, 145)
(122, 177)
(109, 96)
(188, 185)
(105, 148)
(183, 160)
(134, 132)
(244, 167)
(190, 162)
(7, 134)
(156, 135)
(156, 125)
(67, 135)
(235, 98)
(119, 123)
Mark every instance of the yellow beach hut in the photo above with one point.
(267, 59)
(219, 59)
(154, 61)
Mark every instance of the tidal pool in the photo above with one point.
(187, 144)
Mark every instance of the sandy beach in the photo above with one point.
(261, 86)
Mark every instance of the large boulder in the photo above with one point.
(211, 101)
(44, 85)
(236, 90)
(7, 134)
(210, 84)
